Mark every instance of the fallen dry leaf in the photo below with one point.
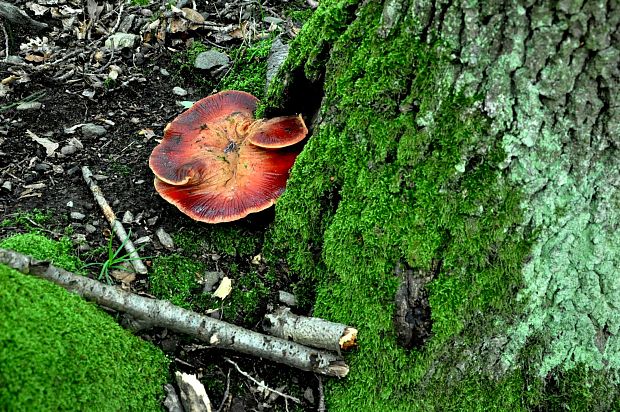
(223, 289)
(50, 147)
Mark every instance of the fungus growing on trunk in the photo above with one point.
(216, 163)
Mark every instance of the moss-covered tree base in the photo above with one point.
(420, 158)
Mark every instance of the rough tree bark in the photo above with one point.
(469, 151)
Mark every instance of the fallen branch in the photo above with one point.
(115, 224)
(315, 332)
(164, 314)
(15, 15)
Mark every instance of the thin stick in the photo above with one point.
(321, 407)
(115, 224)
(161, 313)
(260, 384)
(6, 42)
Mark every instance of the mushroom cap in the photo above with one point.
(278, 132)
(207, 166)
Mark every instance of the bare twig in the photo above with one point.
(260, 384)
(118, 20)
(164, 314)
(6, 42)
(115, 224)
(321, 407)
(225, 392)
(315, 332)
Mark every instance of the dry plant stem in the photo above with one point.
(15, 15)
(6, 42)
(260, 384)
(315, 332)
(164, 314)
(115, 224)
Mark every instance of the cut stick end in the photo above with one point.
(338, 369)
(348, 339)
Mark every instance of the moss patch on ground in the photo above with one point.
(403, 169)
(178, 277)
(247, 71)
(59, 352)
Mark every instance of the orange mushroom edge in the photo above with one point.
(216, 163)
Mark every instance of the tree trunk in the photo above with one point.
(459, 199)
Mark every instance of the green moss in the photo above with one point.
(404, 171)
(31, 221)
(58, 352)
(60, 253)
(247, 71)
(249, 68)
(175, 278)
(231, 240)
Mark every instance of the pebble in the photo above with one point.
(141, 240)
(93, 130)
(7, 185)
(210, 279)
(152, 221)
(90, 229)
(43, 167)
(179, 91)
(164, 72)
(68, 150)
(77, 215)
(127, 217)
(211, 59)
(29, 106)
(164, 238)
(70, 203)
(121, 40)
(308, 395)
(287, 298)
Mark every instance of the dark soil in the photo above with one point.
(134, 109)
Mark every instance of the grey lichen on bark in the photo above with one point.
(549, 76)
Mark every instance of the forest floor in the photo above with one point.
(68, 99)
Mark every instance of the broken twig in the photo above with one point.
(315, 332)
(164, 314)
(115, 224)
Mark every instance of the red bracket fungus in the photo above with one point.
(216, 163)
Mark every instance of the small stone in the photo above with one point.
(29, 106)
(152, 221)
(42, 167)
(164, 238)
(127, 217)
(93, 130)
(146, 12)
(309, 395)
(211, 59)
(90, 229)
(179, 91)
(70, 203)
(7, 185)
(287, 298)
(68, 150)
(77, 216)
(272, 20)
(210, 279)
(127, 23)
(141, 240)
(164, 72)
(121, 40)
